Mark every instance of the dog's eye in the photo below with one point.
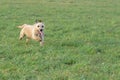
(42, 26)
(38, 26)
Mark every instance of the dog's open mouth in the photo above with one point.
(41, 34)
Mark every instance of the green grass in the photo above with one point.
(82, 40)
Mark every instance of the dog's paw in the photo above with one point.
(41, 43)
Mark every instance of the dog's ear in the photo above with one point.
(38, 21)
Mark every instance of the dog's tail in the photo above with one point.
(21, 26)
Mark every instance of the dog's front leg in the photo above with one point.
(42, 39)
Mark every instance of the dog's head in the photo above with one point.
(40, 25)
(40, 28)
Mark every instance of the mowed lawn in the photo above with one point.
(82, 40)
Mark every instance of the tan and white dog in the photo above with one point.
(35, 32)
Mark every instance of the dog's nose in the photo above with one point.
(41, 29)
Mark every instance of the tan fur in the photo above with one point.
(32, 32)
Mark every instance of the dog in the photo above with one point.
(35, 32)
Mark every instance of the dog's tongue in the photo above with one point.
(41, 33)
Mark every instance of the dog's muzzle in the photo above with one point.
(41, 34)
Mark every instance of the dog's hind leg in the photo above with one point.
(21, 34)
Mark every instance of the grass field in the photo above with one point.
(82, 40)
